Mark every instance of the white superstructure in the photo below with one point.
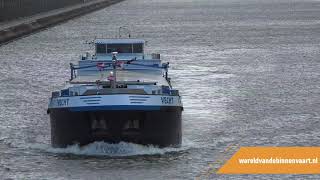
(116, 72)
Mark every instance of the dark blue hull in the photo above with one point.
(157, 127)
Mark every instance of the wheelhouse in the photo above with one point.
(122, 46)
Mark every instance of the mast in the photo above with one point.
(114, 65)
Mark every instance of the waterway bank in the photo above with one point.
(12, 30)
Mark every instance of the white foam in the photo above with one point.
(107, 149)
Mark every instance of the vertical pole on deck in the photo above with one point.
(114, 64)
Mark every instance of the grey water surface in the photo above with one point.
(248, 71)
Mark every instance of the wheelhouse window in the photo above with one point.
(120, 48)
(137, 48)
(101, 48)
(125, 48)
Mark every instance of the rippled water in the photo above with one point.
(248, 71)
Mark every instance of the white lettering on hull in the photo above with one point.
(115, 100)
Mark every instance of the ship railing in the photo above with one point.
(98, 82)
(101, 66)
